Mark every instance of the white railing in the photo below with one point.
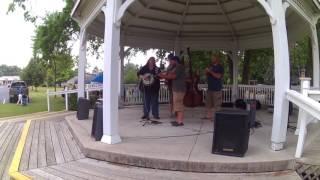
(309, 110)
(66, 92)
(263, 93)
(133, 96)
(309, 107)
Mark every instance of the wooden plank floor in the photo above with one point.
(9, 137)
(49, 142)
(99, 170)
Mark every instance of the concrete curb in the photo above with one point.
(85, 144)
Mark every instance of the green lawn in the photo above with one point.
(38, 104)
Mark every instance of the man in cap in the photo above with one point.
(177, 75)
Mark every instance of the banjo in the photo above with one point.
(148, 79)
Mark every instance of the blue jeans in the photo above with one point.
(151, 101)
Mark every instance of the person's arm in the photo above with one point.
(169, 76)
(140, 73)
(217, 75)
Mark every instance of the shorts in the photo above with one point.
(214, 100)
(178, 101)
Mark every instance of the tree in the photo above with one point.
(52, 41)
(64, 64)
(34, 73)
(130, 73)
(96, 70)
(9, 70)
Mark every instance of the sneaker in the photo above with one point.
(156, 117)
(156, 122)
(176, 124)
(144, 117)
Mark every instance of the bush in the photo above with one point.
(73, 102)
(93, 99)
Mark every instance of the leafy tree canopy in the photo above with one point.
(34, 73)
(9, 70)
(130, 73)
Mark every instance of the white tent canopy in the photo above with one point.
(201, 25)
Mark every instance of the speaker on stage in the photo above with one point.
(83, 109)
(231, 133)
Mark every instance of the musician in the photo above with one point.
(169, 84)
(214, 94)
(177, 75)
(150, 91)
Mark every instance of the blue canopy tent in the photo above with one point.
(98, 78)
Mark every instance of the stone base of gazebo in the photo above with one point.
(186, 148)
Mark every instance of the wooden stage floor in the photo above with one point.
(51, 151)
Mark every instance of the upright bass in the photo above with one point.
(193, 96)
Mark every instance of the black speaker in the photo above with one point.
(231, 133)
(83, 108)
(97, 123)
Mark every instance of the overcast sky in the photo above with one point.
(16, 34)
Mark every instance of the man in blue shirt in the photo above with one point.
(214, 94)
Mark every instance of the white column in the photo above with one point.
(304, 87)
(111, 74)
(282, 75)
(235, 70)
(82, 62)
(315, 54)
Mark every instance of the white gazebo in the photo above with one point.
(232, 25)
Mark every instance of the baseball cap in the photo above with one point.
(170, 56)
(175, 58)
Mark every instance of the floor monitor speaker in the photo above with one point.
(231, 133)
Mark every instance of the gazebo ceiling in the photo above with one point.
(200, 24)
(197, 18)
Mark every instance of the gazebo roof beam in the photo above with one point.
(199, 3)
(240, 10)
(165, 10)
(232, 30)
(207, 32)
(248, 19)
(152, 28)
(137, 15)
(200, 13)
(206, 23)
(254, 28)
(160, 20)
(200, 23)
(183, 17)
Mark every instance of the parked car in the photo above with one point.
(16, 88)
